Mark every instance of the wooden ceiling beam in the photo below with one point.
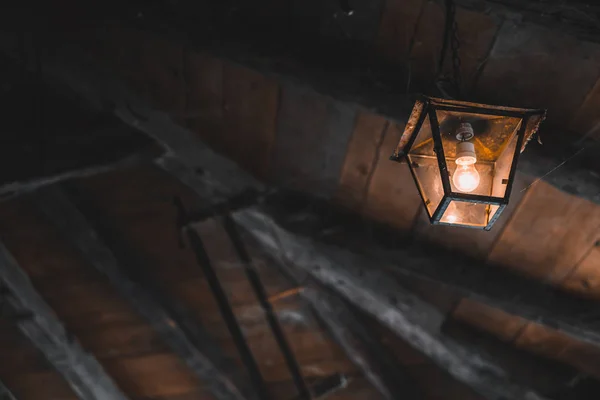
(191, 343)
(413, 320)
(338, 63)
(48, 137)
(190, 159)
(358, 280)
(578, 18)
(80, 369)
(361, 347)
(14, 189)
(356, 340)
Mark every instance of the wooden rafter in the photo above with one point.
(344, 69)
(410, 318)
(14, 189)
(357, 281)
(190, 159)
(80, 369)
(361, 347)
(193, 345)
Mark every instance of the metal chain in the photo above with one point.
(455, 48)
(451, 39)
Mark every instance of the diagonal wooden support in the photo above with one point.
(14, 189)
(80, 369)
(363, 349)
(5, 393)
(360, 346)
(354, 277)
(345, 69)
(190, 343)
(404, 313)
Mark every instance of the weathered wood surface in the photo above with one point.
(197, 352)
(223, 178)
(411, 318)
(49, 137)
(126, 199)
(79, 368)
(343, 69)
(352, 335)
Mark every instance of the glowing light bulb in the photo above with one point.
(452, 218)
(466, 177)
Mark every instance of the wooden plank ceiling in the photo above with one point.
(288, 135)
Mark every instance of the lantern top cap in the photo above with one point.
(435, 101)
(424, 103)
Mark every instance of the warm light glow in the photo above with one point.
(466, 177)
(451, 218)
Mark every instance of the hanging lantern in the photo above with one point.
(463, 157)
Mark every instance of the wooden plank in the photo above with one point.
(86, 376)
(40, 385)
(539, 240)
(544, 60)
(357, 387)
(152, 375)
(582, 356)
(586, 121)
(122, 340)
(233, 109)
(585, 278)
(529, 336)
(397, 28)
(21, 227)
(346, 86)
(550, 377)
(440, 385)
(312, 135)
(477, 32)
(543, 305)
(504, 326)
(408, 316)
(195, 395)
(361, 159)
(361, 346)
(76, 141)
(18, 188)
(392, 197)
(173, 328)
(250, 112)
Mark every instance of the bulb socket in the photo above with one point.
(464, 132)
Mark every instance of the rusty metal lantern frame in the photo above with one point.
(427, 108)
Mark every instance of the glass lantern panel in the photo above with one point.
(503, 166)
(466, 213)
(492, 135)
(423, 163)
